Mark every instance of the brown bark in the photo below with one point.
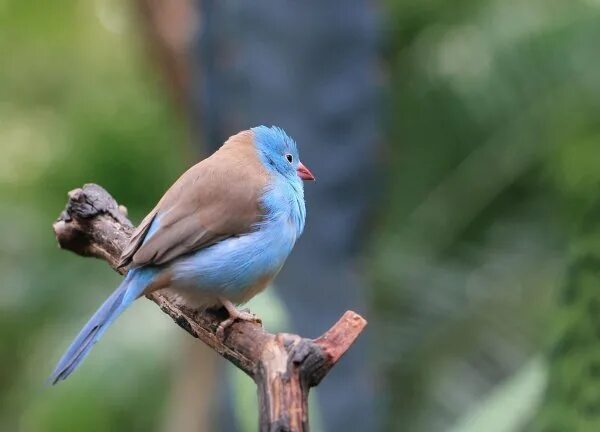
(284, 366)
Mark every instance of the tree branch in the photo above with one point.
(284, 366)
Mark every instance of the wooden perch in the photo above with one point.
(284, 366)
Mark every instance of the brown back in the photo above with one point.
(217, 198)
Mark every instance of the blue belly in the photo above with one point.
(237, 264)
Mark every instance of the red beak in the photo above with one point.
(304, 173)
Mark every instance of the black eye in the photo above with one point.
(289, 158)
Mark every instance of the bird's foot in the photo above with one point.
(235, 315)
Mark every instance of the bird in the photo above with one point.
(216, 238)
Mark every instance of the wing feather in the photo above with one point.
(215, 199)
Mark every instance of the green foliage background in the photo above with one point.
(494, 149)
(484, 264)
(78, 103)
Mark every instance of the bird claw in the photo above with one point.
(221, 329)
(246, 315)
(238, 315)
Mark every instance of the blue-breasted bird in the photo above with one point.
(218, 236)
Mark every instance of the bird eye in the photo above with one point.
(289, 158)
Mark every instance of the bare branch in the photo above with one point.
(284, 366)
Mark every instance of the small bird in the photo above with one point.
(217, 237)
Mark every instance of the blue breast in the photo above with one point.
(237, 263)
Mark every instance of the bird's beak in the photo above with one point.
(304, 173)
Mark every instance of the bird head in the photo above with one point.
(280, 153)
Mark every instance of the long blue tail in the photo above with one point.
(130, 289)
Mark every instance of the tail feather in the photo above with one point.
(129, 290)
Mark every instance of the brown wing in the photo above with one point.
(215, 199)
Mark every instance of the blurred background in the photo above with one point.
(457, 207)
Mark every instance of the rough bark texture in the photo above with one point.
(284, 366)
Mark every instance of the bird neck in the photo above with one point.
(284, 199)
